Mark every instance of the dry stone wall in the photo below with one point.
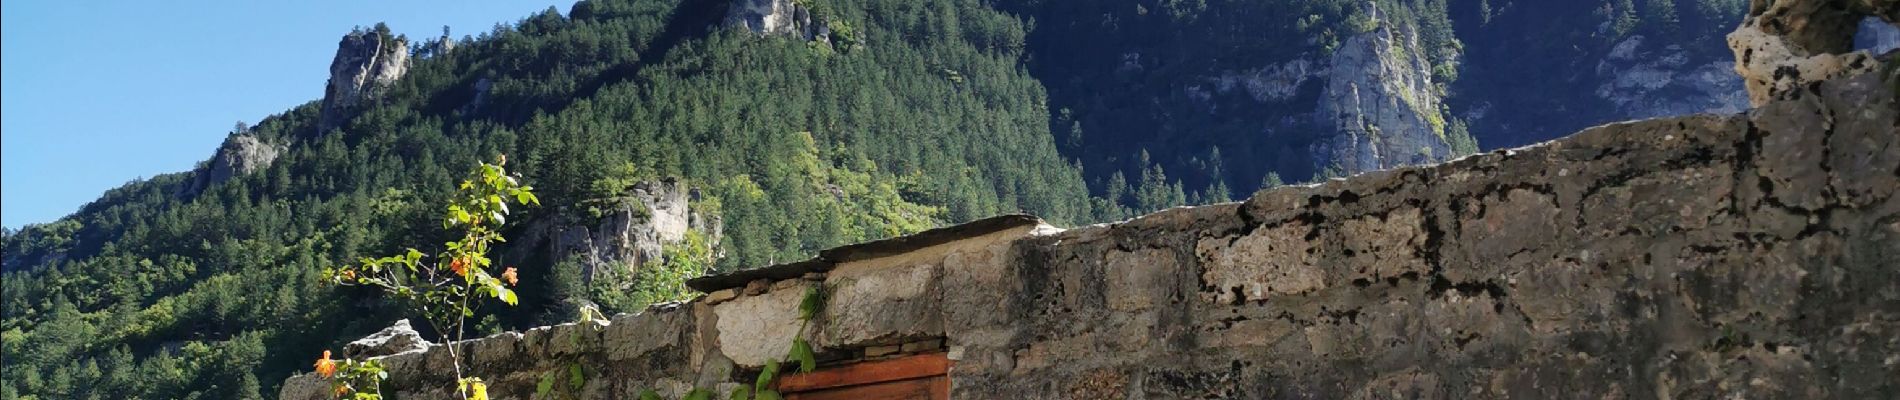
(1753, 255)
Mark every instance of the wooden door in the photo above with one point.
(923, 376)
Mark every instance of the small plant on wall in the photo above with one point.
(765, 387)
(444, 286)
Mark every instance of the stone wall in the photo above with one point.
(1753, 255)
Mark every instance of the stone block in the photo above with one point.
(880, 351)
(923, 346)
(753, 329)
(1272, 261)
(720, 296)
(875, 305)
(757, 287)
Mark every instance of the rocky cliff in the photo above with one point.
(242, 153)
(775, 17)
(1538, 70)
(1646, 80)
(367, 61)
(1380, 105)
(1747, 255)
(625, 233)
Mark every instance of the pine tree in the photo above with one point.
(1623, 18)
(1661, 15)
(1272, 180)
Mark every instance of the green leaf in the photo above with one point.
(546, 385)
(741, 393)
(813, 303)
(801, 351)
(768, 395)
(766, 376)
(575, 379)
(697, 394)
(649, 394)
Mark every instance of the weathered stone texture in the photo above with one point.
(627, 232)
(1782, 46)
(1748, 256)
(367, 63)
(241, 154)
(396, 339)
(1380, 103)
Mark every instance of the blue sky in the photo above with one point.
(94, 94)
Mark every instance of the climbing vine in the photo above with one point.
(440, 287)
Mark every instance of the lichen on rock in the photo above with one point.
(1782, 46)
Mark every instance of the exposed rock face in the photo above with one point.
(775, 17)
(482, 87)
(366, 63)
(241, 154)
(1784, 45)
(1381, 104)
(1647, 82)
(399, 338)
(631, 232)
(1272, 83)
(1747, 256)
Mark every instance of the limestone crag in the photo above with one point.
(1784, 45)
(1380, 104)
(242, 153)
(1735, 256)
(367, 62)
(630, 231)
(1644, 81)
(776, 17)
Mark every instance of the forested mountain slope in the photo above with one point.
(863, 119)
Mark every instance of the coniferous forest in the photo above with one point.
(912, 115)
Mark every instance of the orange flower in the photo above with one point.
(461, 268)
(325, 366)
(342, 389)
(348, 274)
(509, 275)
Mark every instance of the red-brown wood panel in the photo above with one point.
(923, 376)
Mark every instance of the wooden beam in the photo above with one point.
(868, 372)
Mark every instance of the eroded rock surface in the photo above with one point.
(1381, 104)
(396, 339)
(775, 17)
(1646, 81)
(1785, 45)
(242, 153)
(629, 231)
(367, 62)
